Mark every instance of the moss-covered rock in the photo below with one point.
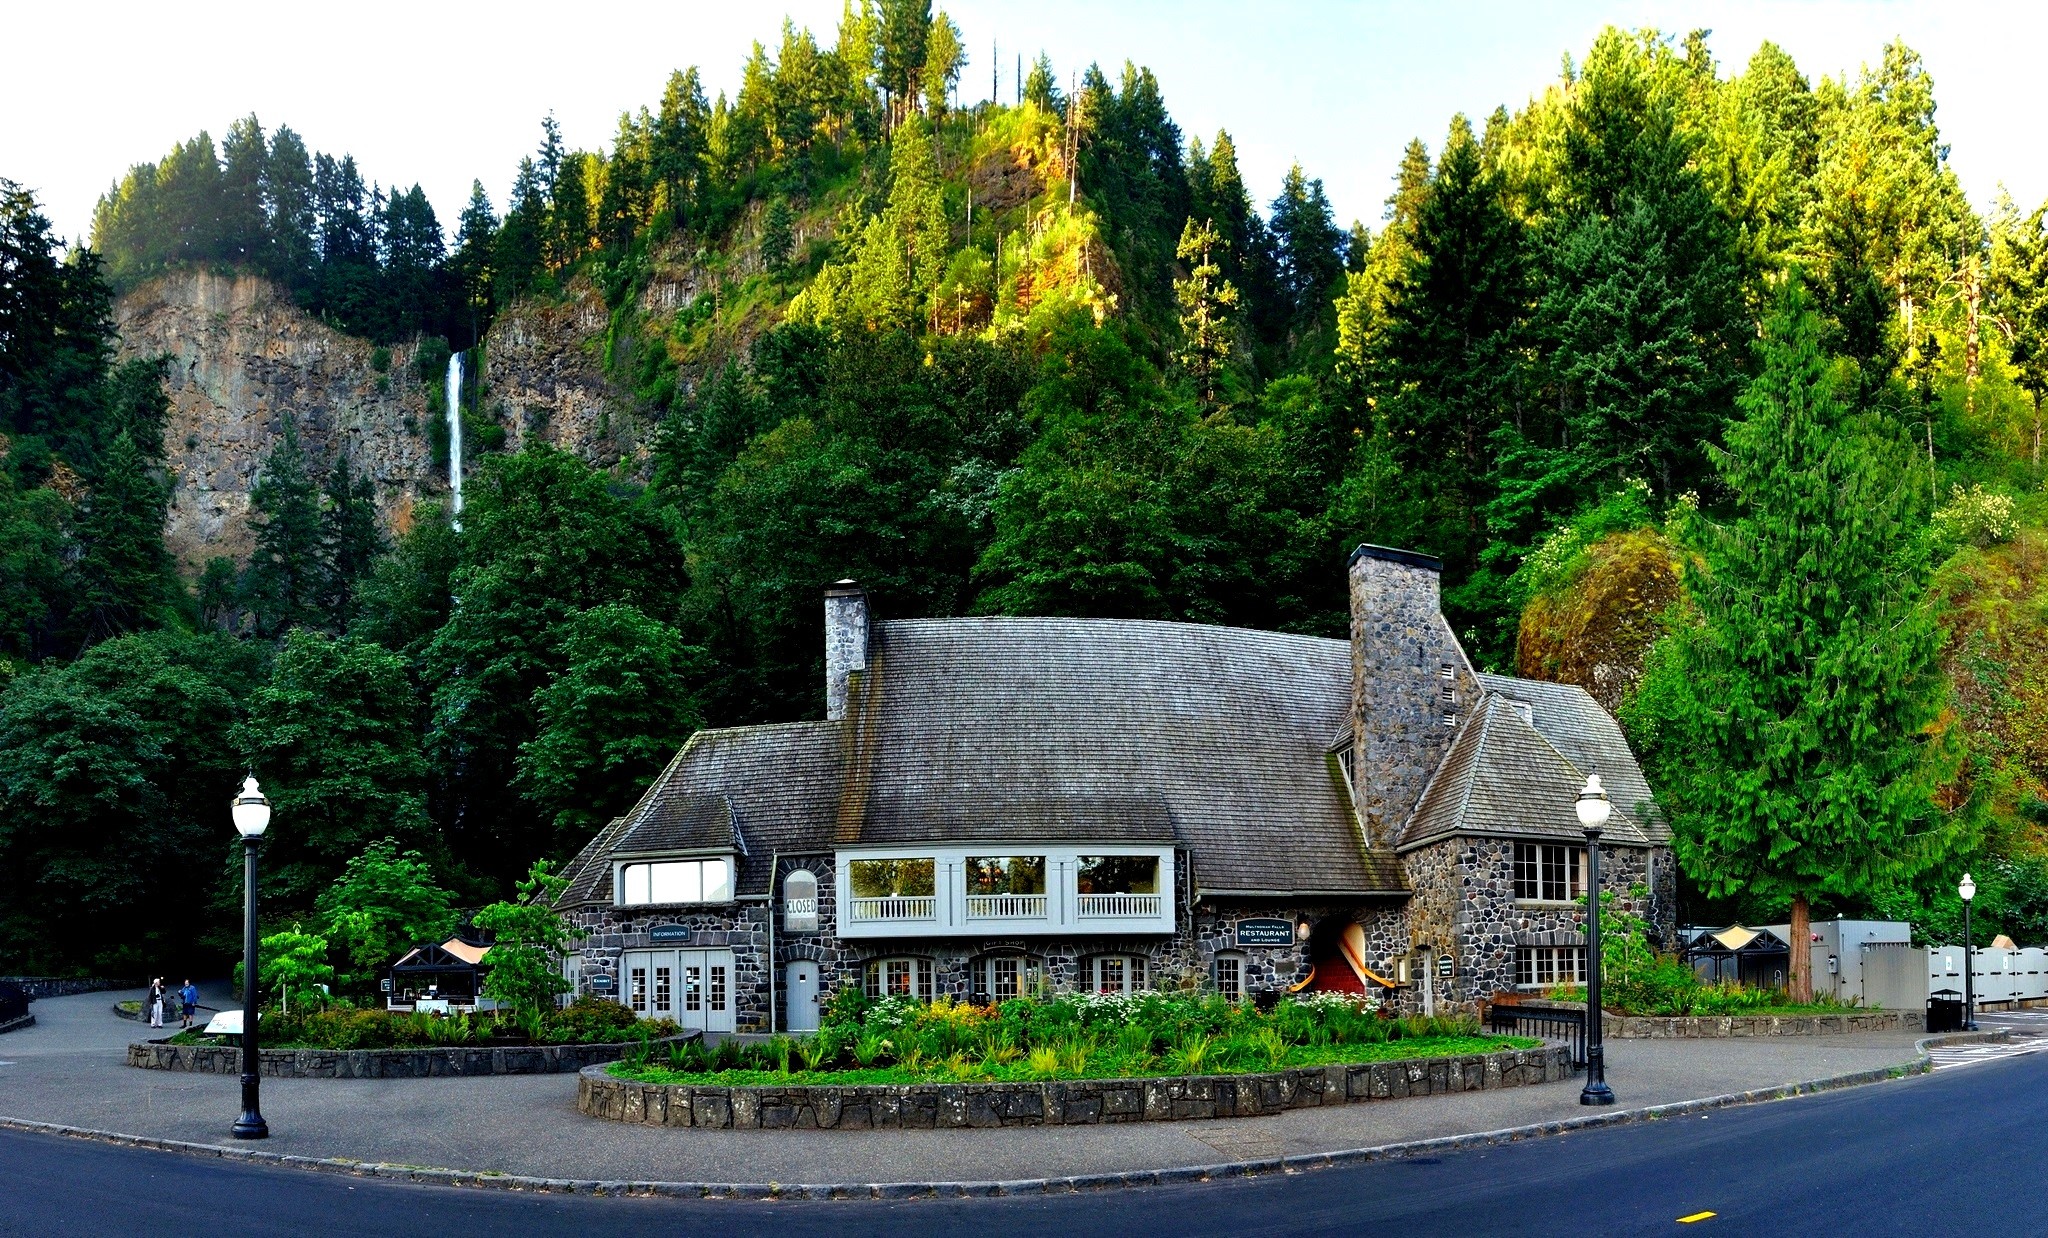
(1596, 625)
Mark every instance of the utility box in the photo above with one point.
(1894, 975)
(1837, 954)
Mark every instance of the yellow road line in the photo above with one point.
(1697, 1216)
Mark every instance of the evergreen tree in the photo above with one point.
(569, 212)
(474, 264)
(124, 573)
(289, 205)
(286, 579)
(350, 541)
(678, 144)
(520, 246)
(904, 27)
(1795, 728)
(1310, 248)
(944, 58)
(776, 238)
(244, 226)
(1042, 89)
(1207, 301)
(2019, 290)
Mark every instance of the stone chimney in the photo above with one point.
(1411, 685)
(846, 642)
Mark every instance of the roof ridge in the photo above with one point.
(1486, 702)
(1080, 620)
(1569, 764)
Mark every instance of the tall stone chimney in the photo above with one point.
(846, 642)
(1411, 685)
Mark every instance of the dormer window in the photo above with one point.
(675, 881)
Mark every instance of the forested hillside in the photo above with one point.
(1052, 356)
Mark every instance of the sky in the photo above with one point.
(439, 94)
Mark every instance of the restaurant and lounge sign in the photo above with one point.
(1265, 932)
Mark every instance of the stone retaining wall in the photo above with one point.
(1647, 1027)
(383, 1063)
(1081, 1102)
(64, 986)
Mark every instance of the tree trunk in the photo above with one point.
(1802, 950)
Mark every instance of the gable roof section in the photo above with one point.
(1129, 731)
(759, 789)
(1503, 777)
(1589, 737)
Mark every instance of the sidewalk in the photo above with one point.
(69, 1069)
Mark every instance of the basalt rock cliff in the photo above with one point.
(243, 358)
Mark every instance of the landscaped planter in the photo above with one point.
(453, 1060)
(1077, 1102)
(1688, 1027)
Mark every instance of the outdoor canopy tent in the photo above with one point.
(1757, 958)
(451, 971)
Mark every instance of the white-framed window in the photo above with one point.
(1114, 973)
(1230, 975)
(675, 881)
(1539, 967)
(800, 901)
(1549, 872)
(572, 973)
(900, 977)
(1000, 977)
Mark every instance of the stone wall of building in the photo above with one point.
(1464, 904)
(1411, 685)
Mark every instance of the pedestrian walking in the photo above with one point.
(156, 1002)
(189, 995)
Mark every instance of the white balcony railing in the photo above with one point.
(1116, 905)
(1006, 906)
(896, 907)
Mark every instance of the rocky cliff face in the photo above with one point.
(244, 358)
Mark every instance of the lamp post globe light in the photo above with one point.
(1594, 808)
(252, 816)
(1968, 889)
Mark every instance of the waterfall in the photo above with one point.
(455, 438)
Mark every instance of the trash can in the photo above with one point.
(1945, 1011)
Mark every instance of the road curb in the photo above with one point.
(1071, 1184)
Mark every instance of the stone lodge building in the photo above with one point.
(995, 806)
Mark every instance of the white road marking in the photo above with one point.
(1952, 1056)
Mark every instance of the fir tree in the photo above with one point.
(350, 541)
(124, 572)
(1795, 728)
(286, 579)
(776, 238)
(1207, 301)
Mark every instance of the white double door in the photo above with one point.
(692, 987)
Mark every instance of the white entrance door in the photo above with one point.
(802, 991)
(692, 987)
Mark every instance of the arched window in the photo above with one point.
(1113, 973)
(900, 977)
(1000, 977)
(800, 902)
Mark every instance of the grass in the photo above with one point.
(1104, 1064)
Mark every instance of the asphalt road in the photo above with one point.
(1951, 1153)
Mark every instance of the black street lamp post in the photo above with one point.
(252, 817)
(1594, 809)
(1968, 889)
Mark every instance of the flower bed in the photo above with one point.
(897, 1041)
(587, 1021)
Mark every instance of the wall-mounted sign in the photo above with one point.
(669, 932)
(1265, 932)
(602, 984)
(1446, 966)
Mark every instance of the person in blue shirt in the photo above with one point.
(190, 996)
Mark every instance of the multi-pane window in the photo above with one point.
(717, 988)
(661, 989)
(693, 988)
(1230, 976)
(905, 977)
(1115, 973)
(1549, 872)
(636, 990)
(1004, 976)
(676, 881)
(1539, 967)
